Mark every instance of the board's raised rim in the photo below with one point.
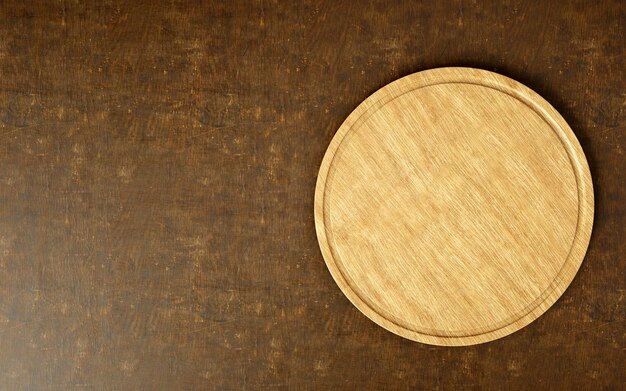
(562, 130)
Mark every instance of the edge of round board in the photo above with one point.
(562, 130)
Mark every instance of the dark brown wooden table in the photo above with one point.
(157, 169)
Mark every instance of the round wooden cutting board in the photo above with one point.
(454, 206)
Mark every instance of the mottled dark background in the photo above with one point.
(157, 169)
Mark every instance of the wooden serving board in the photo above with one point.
(454, 206)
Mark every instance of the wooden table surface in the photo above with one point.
(157, 171)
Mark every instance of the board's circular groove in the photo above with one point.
(466, 333)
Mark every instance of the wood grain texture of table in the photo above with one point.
(158, 162)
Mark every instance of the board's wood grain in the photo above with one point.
(454, 206)
(149, 149)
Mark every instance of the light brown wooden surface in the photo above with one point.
(454, 206)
